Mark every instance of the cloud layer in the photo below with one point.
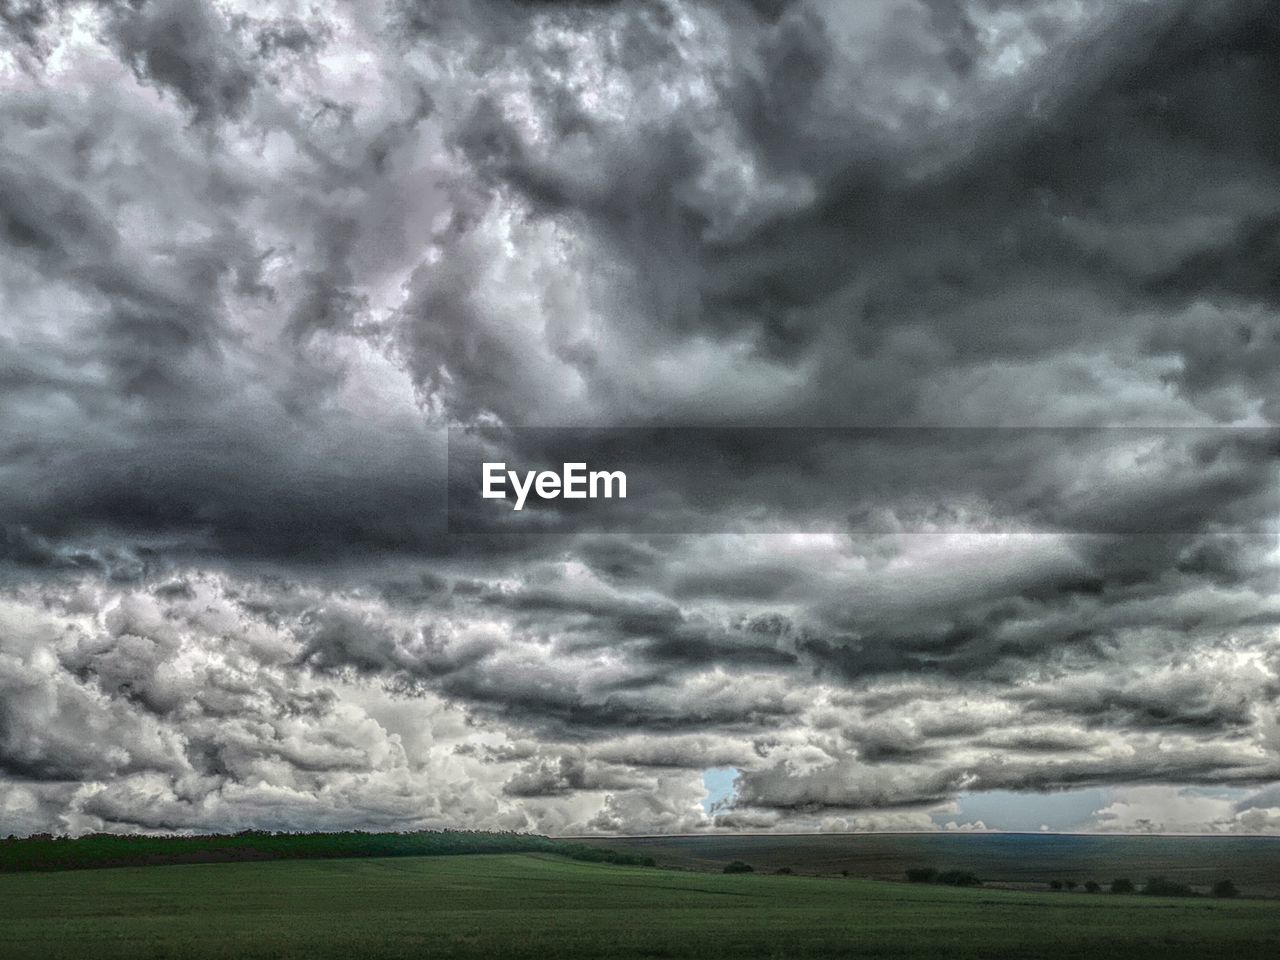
(257, 260)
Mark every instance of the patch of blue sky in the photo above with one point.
(718, 782)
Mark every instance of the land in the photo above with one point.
(546, 906)
(1015, 861)
(44, 852)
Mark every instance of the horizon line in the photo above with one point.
(915, 833)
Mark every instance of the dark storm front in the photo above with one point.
(873, 480)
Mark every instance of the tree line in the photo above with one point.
(1155, 886)
(50, 852)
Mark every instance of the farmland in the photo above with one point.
(1019, 861)
(538, 905)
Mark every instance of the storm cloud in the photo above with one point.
(969, 307)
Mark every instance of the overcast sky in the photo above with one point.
(257, 259)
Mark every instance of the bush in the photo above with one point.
(958, 878)
(737, 866)
(1055, 884)
(589, 854)
(784, 871)
(1069, 884)
(1225, 888)
(1122, 886)
(1092, 886)
(921, 874)
(1162, 887)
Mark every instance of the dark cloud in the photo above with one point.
(550, 777)
(186, 45)
(261, 269)
(1181, 698)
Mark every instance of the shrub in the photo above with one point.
(1225, 888)
(1092, 886)
(581, 851)
(1122, 886)
(1069, 884)
(921, 874)
(1163, 887)
(737, 866)
(784, 871)
(1055, 884)
(958, 878)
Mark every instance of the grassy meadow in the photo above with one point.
(1017, 860)
(541, 906)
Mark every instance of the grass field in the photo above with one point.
(1010, 859)
(534, 906)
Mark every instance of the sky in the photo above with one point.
(1019, 258)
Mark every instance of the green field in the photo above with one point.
(1026, 860)
(528, 905)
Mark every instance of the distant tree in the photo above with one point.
(921, 874)
(1225, 888)
(1055, 884)
(784, 871)
(1092, 886)
(1163, 887)
(844, 873)
(737, 866)
(1122, 885)
(958, 878)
